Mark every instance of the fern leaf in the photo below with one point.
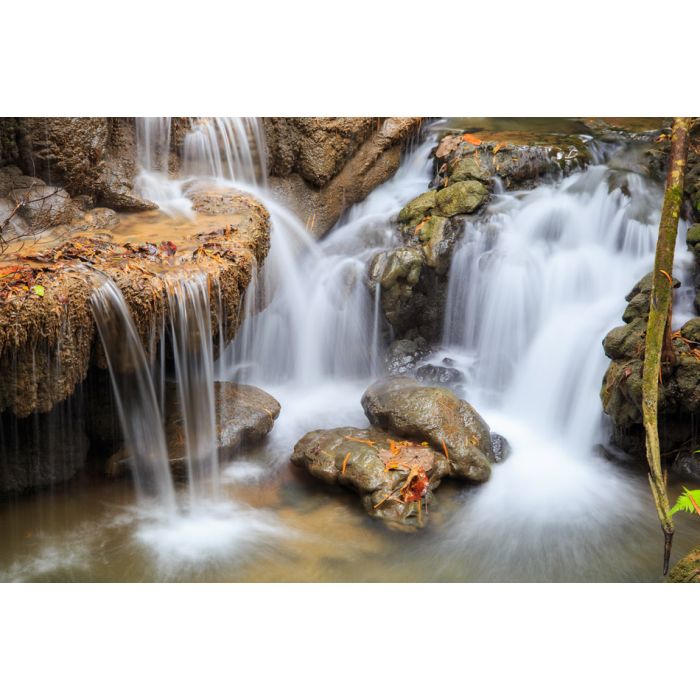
(685, 502)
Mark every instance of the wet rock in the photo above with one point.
(521, 160)
(357, 459)
(405, 407)
(500, 446)
(41, 450)
(398, 271)
(435, 374)
(679, 389)
(403, 355)
(687, 465)
(244, 416)
(687, 570)
(461, 198)
(417, 208)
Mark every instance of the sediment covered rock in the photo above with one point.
(392, 477)
(47, 331)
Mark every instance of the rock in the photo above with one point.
(314, 147)
(687, 570)
(41, 450)
(626, 341)
(405, 407)
(48, 342)
(470, 169)
(519, 160)
(679, 390)
(439, 236)
(323, 166)
(244, 416)
(686, 465)
(501, 447)
(357, 459)
(403, 355)
(434, 374)
(417, 208)
(691, 330)
(94, 156)
(44, 207)
(461, 198)
(398, 271)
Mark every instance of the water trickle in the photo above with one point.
(190, 308)
(226, 148)
(135, 397)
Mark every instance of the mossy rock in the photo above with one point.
(417, 208)
(625, 341)
(470, 167)
(461, 198)
(693, 235)
(691, 330)
(687, 570)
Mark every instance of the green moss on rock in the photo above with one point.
(461, 198)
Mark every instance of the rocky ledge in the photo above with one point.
(47, 332)
(419, 436)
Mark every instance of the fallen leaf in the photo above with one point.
(470, 138)
(38, 290)
(499, 146)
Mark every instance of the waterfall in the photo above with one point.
(226, 148)
(319, 323)
(190, 304)
(135, 396)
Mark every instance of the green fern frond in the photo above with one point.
(685, 502)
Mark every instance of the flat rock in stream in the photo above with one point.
(383, 470)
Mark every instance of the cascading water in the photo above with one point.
(135, 396)
(226, 148)
(191, 333)
(534, 287)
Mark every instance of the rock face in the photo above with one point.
(41, 450)
(404, 407)
(679, 391)
(244, 416)
(687, 570)
(92, 156)
(321, 166)
(395, 476)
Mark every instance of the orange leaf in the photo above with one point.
(469, 138)
(499, 146)
(345, 464)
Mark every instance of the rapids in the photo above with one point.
(535, 283)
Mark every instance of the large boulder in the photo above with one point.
(394, 479)
(244, 416)
(435, 415)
